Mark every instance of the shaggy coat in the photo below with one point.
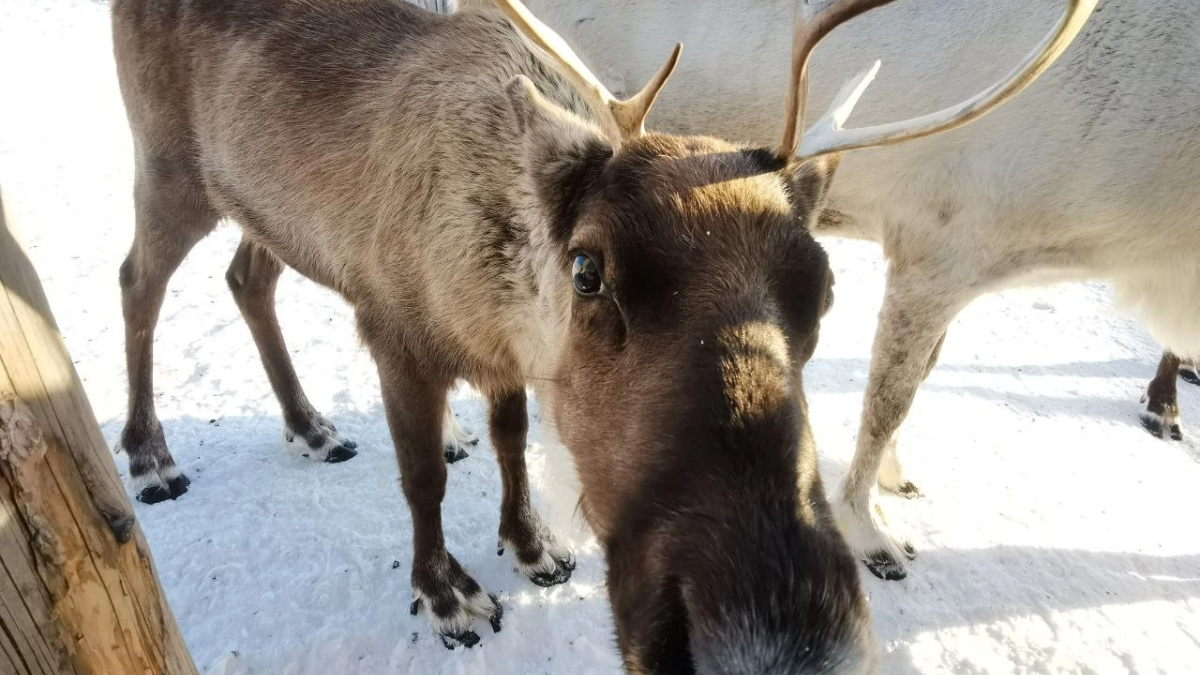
(662, 300)
(1091, 173)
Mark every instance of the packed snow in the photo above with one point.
(1056, 535)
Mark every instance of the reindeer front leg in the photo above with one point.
(415, 405)
(1161, 416)
(912, 327)
(538, 554)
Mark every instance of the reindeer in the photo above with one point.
(1093, 174)
(660, 293)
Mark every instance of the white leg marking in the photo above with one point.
(159, 476)
(457, 623)
(545, 565)
(479, 604)
(865, 528)
(296, 443)
(891, 472)
(554, 555)
(453, 433)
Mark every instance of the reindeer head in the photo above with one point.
(689, 294)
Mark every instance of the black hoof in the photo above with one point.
(909, 491)
(153, 494)
(340, 454)
(560, 575)
(909, 550)
(1153, 425)
(467, 639)
(415, 607)
(455, 455)
(178, 485)
(1189, 376)
(349, 444)
(883, 566)
(497, 615)
(568, 564)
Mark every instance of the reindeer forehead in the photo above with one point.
(700, 170)
(667, 187)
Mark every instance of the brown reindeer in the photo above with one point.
(493, 214)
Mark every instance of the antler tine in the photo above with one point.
(631, 113)
(619, 120)
(828, 136)
(812, 25)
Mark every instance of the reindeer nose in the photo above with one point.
(754, 370)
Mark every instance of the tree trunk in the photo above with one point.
(78, 591)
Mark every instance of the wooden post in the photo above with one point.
(78, 591)
(440, 6)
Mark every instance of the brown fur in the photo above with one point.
(1161, 417)
(432, 171)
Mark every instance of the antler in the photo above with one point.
(620, 120)
(827, 135)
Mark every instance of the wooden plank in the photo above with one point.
(84, 597)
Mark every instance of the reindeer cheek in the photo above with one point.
(596, 323)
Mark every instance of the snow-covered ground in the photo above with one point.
(1056, 535)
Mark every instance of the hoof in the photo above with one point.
(455, 454)
(560, 575)
(496, 616)
(467, 639)
(321, 443)
(453, 600)
(885, 567)
(178, 485)
(1154, 424)
(553, 566)
(908, 490)
(157, 493)
(1190, 376)
(341, 453)
(153, 494)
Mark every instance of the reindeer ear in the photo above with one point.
(538, 117)
(809, 182)
(563, 156)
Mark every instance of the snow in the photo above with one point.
(1056, 536)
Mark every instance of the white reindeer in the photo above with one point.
(1092, 173)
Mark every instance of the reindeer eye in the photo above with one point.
(587, 275)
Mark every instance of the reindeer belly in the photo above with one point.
(282, 239)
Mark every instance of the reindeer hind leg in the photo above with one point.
(252, 277)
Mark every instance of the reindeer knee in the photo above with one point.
(252, 273)
(239, 271)
(126, 273)
(424, 483)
